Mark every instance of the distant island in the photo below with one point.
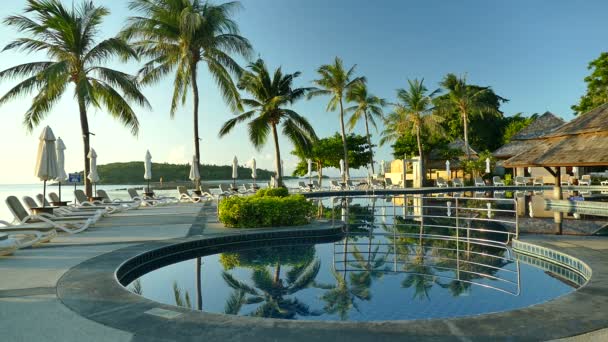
(133, 173)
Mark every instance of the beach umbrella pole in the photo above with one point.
(43, 193)
(148, 186)
(59, 191)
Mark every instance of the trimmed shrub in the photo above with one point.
(272, 192)
(265, 211)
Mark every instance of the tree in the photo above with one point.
(514, 124)
(468, 101)
(413, 113)
(270, 96)
(597, 86)
(68, 37)
(327, 152)
(180, 34)
(336, 82)
(367, 107)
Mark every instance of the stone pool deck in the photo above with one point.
(31, 310)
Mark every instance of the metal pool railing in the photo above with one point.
(457, 238)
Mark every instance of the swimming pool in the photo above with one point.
(391, 263)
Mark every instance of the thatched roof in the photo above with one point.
(581, 142)
(437, 161)
(525, 138)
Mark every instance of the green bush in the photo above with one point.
(265, 211)
(272, 192)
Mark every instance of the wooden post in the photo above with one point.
(557, 194)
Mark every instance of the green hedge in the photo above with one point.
(265, 211)
(272, 192)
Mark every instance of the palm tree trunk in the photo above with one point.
(346, 173)
(419, 152)
(369, 142)
(197, 151)
(466, 134)
(277, 272)
(199, 285)
(277, 155)
(84, 126)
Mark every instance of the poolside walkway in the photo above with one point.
(31, 311)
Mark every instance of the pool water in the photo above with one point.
(386, 268)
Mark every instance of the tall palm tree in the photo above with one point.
(271, 291)
(413, 112)
(336, 82)
(466, 100)
(367, 107)
(180, 34)
(270, 96)
(68, 36)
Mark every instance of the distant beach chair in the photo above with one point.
(457, 182)
(350, 185)
(497, 181)
(585, 180)
(149, 201)
(334, 185)
(186, 196)
(479, 181)
(389, 183)
(24, 235)
(441, 183)
(538, 181)
(520, 180)
(127, 205)
(57, 214)
(69, 226)
(302, 186)
(315, 185)
(565, 180)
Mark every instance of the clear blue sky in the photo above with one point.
(534, 53)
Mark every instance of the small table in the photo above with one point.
(42, 210)
(310, 185)
(60, 203)
(95, 198)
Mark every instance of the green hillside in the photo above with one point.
(133, 172)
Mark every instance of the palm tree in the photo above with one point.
(413, 112)
(367, 107)
(336, 82)
(181, 297)
(270, 96)
(68, 37)
(271, 291)
(178, 35)
(343, 296)
(466, 100)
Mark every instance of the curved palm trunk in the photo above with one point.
(277, 272)
(369, 142)
(346, 173)
(277, 155)
(197, 151)
(84, 126)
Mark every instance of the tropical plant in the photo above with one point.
(597, 86)
(181, 297)
(514, 124)
(367, 108)
(326, 152)
(342, 297)
(467, 101)
(336, 82)
(413, 113)
(180, 34)
(68, 36)
(270, 291)
(271, 95)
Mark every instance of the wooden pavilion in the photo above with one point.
(581, 142)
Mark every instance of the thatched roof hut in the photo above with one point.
(581, 142)
(436, 160)
(527, 137)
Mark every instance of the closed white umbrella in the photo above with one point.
(235, 171)
(447, 168)
(488, 165)
(195, 175)
(148, 168)
(93, 176)
(61, 175)
(382, 167)
(254, 172)
(46, 160)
